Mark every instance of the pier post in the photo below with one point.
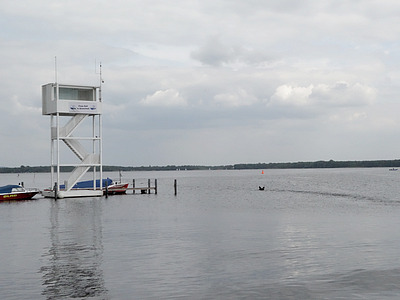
(133, 185)
(106, 191)
(55, 191)
(148, 185)
(155, 186)
(175, 187)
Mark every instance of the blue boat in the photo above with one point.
(112, 187)
(88, 184)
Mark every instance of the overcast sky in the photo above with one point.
(208, 82)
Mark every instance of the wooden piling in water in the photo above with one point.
(175, 187)
(143, 189)
(55, 191)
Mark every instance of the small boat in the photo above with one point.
(16, 192)
(112, 187)
(261, 188)
(392, 169)
(116, 188)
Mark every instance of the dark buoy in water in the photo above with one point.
(261, 188)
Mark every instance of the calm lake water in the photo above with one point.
(311, 234)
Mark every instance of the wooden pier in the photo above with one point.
(143, 190)
(81, 192)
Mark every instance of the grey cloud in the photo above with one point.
(215, 53)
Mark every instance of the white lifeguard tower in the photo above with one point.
(69, 107)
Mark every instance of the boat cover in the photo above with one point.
(8, 188)
(89, 184)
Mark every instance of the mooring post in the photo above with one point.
(155, 186)
(175, 187)
(133, 185)
(106, 191)
(148, 185)
(55, 191)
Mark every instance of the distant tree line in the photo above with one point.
(46, 169)
(287, 165)
(322, 164)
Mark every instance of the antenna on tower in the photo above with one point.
(100, 78)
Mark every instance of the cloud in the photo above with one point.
(344, 94)
(237, 98)
(215, 53)
(170, 97)
(340, 94)
(289, 95)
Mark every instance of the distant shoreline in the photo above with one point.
(243, 166)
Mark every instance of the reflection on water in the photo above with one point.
(76, 251)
